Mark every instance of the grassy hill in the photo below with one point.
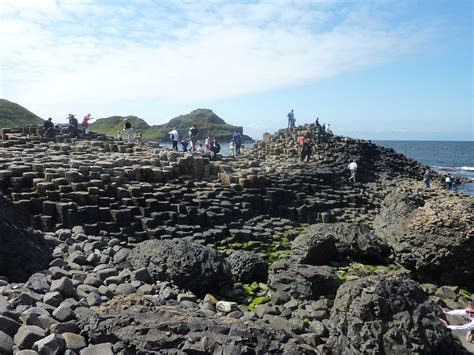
(14, 115)
(206, 120)
(110, 125)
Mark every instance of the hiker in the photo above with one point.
(85, 122)
(237, 142)
(73, 124)
(193, 132)
(48, 128)
(306, 150)
(468, 313)
(127, 127)
(353, 169)
(119, 136)
(291, 119)
(174, 136)
(427, 178)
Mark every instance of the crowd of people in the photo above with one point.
(210, 147)
(74, 129)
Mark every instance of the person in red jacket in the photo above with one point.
(85, 122)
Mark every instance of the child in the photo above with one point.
(119, 136)
(200, 149)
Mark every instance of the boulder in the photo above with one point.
(433, 237)
(324, 242)
(187, 264)
(247, 267)
(23, 251)
(386, 315)
(303, 281)
(169, 328)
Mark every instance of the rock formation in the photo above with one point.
(387, 315)
(432, 236)
(161, 251)
(23, 251)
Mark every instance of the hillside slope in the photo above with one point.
(110, 125)
(14, 115)
(206, 120)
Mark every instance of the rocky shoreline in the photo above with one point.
(121, 248)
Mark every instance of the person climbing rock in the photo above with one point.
(48, 128)
(353, 169)
(467, 313)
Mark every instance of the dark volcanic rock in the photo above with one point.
(189, 265)
(143, 326)
(433, 238)
(387, 315)
(303, 281)
(324, 241)
(22, 250)
(247, 267)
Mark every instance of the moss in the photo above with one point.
(259, 300)
(465, 295)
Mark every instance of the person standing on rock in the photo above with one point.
(353, 169)
(193, 132)
(449, 182)
(73, 131)
(85, 122)
(127, 127)
(237, 142)
(291, 119)
(427, 178)
(306, 150)
(468, 313)
(174, 136)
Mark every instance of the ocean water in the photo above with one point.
(456, 158)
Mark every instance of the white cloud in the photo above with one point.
(183, 52)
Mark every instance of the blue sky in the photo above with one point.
(374, 69)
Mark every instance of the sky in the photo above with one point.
(378, 69)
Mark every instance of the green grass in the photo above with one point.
(14, 115)
(206, 120)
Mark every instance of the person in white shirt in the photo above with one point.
(174, 136)
(353, 169)
(468, 312)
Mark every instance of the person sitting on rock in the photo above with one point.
(200, 149)
(468, 313)
(353, 169)
(215, 148)
(48, 128)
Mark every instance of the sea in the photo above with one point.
(456, 158)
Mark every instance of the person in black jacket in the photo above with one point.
(48, 128)
(127, 127)
(73, 131)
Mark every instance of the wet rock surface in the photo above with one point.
(170, 252)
